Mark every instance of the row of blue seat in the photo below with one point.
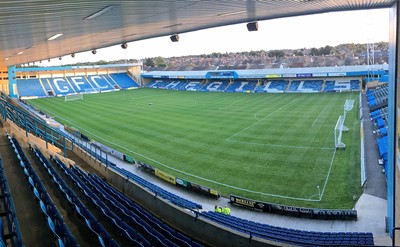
(175, 199)
(151, 235)
(377, 95)
(90, 221)
(138, 215)
(244, 86)
(73, 84)
(53, 217)
(378, 113)
(14, 232)
(292, 236)
(85, 215)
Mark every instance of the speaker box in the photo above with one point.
(252, 26)
(174, 38)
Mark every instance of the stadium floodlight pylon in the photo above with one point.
(75, 96)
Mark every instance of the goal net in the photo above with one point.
(339, 127)
(76, 96)
(348, 106)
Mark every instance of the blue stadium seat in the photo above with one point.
(291, 236)
(30, 87)
(124, 80)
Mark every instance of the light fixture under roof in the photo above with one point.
(19, 53)
(6, 58)
(232, 13)
(55, 36)
(98, 13)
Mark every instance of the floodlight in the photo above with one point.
(252, 26)
(174, 38)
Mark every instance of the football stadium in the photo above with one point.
(121, 154)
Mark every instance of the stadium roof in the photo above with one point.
(26, 26)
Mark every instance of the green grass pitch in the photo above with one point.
(271, 147)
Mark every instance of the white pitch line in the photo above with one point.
(329, 173)
(282, 146)
(248, 127)
(318, 116)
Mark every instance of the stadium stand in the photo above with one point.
(47, 87)
(61, 86)
(159, 230)
(124, 80)
(273, 86)
(88, 219)
(124, 213)
(192, 86)
(99, 83)
(378, 103)
(60, 231)
(291, 236)
(175, 85)
(161, 84)
(341, 85)
(80, 84)
(30, 87)
(306, 86)
(152, 84)
(8, 211)
(215, 86)
(294, 85)
(241, 86)
(378, 97)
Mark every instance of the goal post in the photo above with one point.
(339, 129)
(76, 96)
(348, 106)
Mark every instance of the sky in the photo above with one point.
(318, 30)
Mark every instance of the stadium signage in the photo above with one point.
(303, 75)
(167, 177)
(273, 76)
(313, 213)
(179, 181)
(320, 74)
(245, 202)
(221, 74)
(337, 74)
